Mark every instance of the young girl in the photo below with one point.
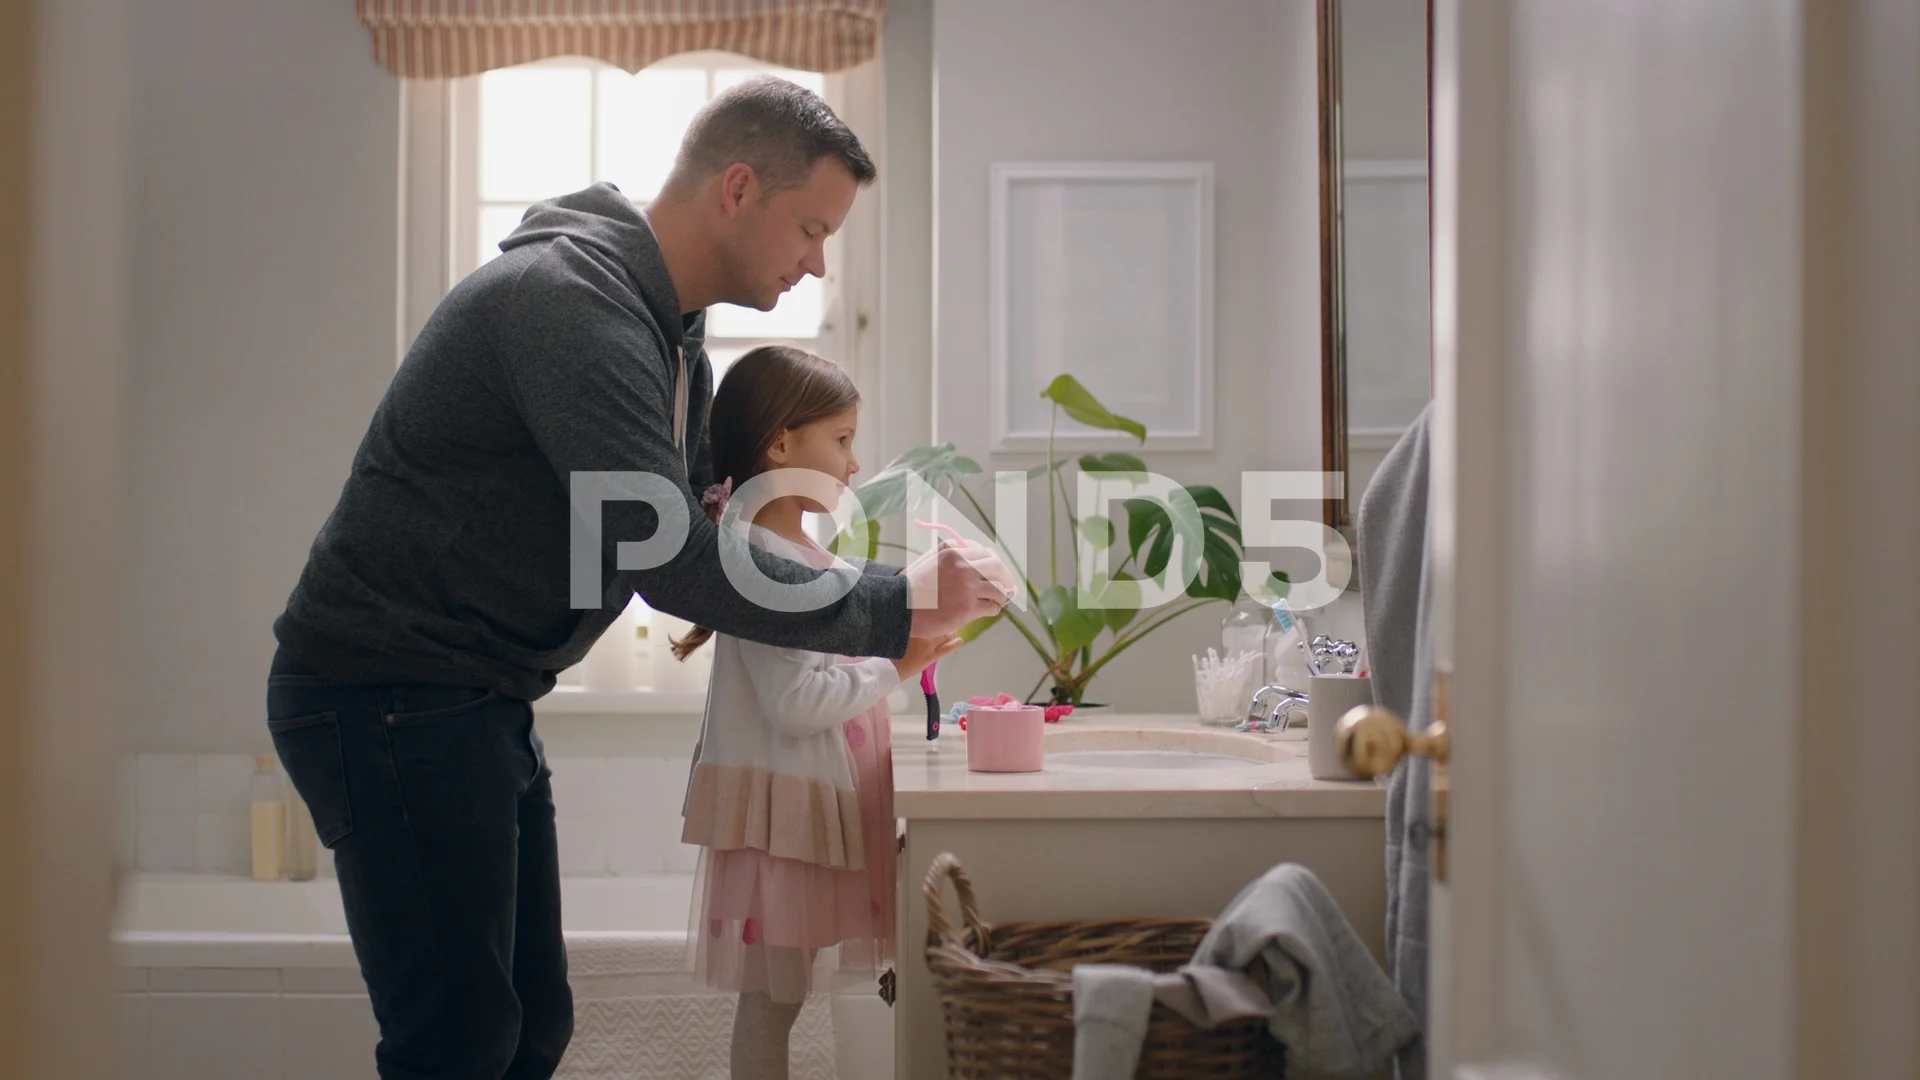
(791, 794)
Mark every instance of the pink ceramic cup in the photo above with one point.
(1004, 738)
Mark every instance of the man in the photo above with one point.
(435, 603)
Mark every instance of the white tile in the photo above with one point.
(127, 840)
(322, 980)
(583, 844)
(213, 980)
(579, 785)
(215, 1036)
(643, 815)
(167, 783)
(222, 844)
(327, 1038)
(634, 847)
(127, 789)
(681, 858)
(131, 1017)
(165, 841)
(223, 782)
(625, 777)
(646, 788)
(129, 979)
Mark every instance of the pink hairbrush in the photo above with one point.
(933, 700)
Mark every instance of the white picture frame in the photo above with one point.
(1102, 270)
(1387, 299)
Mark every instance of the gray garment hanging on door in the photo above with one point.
(1392, 533)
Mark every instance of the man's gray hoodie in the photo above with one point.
(446, 558)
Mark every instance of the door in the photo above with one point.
(1628, 261)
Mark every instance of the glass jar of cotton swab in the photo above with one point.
(1222, 685)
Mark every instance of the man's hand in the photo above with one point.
(947, 590)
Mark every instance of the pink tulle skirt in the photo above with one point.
(758, 921)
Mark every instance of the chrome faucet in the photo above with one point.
(1272, 705)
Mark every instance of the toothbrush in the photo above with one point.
(933, 701)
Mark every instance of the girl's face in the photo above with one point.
(825, 445)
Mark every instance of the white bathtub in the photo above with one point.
(229, 979)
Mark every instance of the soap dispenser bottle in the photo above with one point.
(269, 814)
(1244, 630)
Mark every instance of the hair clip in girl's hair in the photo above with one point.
(714, 499)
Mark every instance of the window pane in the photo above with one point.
(722, 358)
(642, 120)
(797, 315)
(495, 223)
(534, 133)
(734, 76)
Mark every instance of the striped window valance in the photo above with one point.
(437, 39)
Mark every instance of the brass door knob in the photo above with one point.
(1372, 740)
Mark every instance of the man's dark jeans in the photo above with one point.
(438, 806)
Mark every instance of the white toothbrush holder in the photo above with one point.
(1330, 697)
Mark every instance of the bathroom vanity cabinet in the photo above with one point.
(1134, 815)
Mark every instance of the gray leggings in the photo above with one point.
(760, 1029)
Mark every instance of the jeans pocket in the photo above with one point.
(415, 705)
(310, 752)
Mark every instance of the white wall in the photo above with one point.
(1231, 82)
(265, 172)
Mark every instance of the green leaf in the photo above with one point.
(980, 626)
(863, 543)
(1222, 525)
(1218, 575)
(1220, 579)
(1073, 628)
(1154, 525)
(1099, 532)
(1120, 596)
(1207, 497)
(1148, 527)
(1055, 602)
(941, 467)
(884, 495)
(1112, 463)
(1074, 399)
(1038, 471)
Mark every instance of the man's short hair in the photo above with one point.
(779, 128)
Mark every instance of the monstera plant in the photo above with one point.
(1074, 643)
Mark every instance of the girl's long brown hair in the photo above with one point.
(769, 390)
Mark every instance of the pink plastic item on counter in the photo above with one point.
(1004, 737)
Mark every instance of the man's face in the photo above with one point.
(773, 244)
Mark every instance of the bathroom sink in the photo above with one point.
(1143, 759)
(1159, 748)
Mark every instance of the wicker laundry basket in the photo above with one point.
(1006, 992)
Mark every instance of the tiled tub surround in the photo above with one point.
(615, 815)
(224, 978)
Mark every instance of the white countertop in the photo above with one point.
(931, 780)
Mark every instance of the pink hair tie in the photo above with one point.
(714, 499)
